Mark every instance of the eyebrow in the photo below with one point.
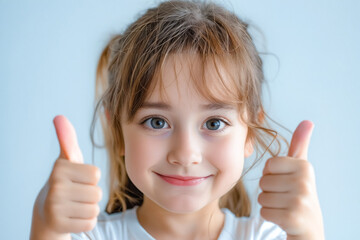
(210, 106)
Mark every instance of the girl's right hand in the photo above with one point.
(68, 203)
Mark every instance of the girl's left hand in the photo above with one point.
(289, 197)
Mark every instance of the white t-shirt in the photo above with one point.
(125, 225)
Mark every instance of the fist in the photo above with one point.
(289, 197)
(71, 195)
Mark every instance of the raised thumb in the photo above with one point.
(69, 148)
(300, 140)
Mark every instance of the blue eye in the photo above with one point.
(156, 123)
(214, 124)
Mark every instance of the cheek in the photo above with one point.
(141, 154)
(227, 155)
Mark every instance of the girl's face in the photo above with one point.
(182, 151)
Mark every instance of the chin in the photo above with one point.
(182, 204)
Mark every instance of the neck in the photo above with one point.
(205, 223)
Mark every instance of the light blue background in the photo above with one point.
(48, 55)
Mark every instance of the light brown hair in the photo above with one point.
(127, 70)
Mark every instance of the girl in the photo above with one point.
(181, 94)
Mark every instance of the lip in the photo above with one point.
(182, 180)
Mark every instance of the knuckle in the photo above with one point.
(273, 160)
(304, 186)
(93, 211)
(99, 194)
(298, 202)
(90, 224)
(262, 183)
(96, 210)
(95, 173)
(270, 162)
(310, 170)
(264, 214)
(306, 167)
(260, 198)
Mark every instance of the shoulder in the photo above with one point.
(254, 228)
(122, 225)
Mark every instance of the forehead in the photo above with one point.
(188, 75)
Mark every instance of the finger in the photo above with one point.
(81, 173)
(282, 165)
(76, 225)
(84, 193)
(82, 210)
(69, 148)
(275, 215)
(276, 183)
(300, 140)
(274, 200)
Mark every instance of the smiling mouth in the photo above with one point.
(182, 180)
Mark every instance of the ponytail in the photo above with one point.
(102, 82)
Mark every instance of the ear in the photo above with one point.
(249, 145)
(249, 148)
(261, 116)
(249, 141)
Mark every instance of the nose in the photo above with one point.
(185, 150)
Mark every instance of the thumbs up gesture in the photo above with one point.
(289, 197)
(69, 200)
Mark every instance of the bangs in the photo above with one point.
(213, 78)
(217, 79)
